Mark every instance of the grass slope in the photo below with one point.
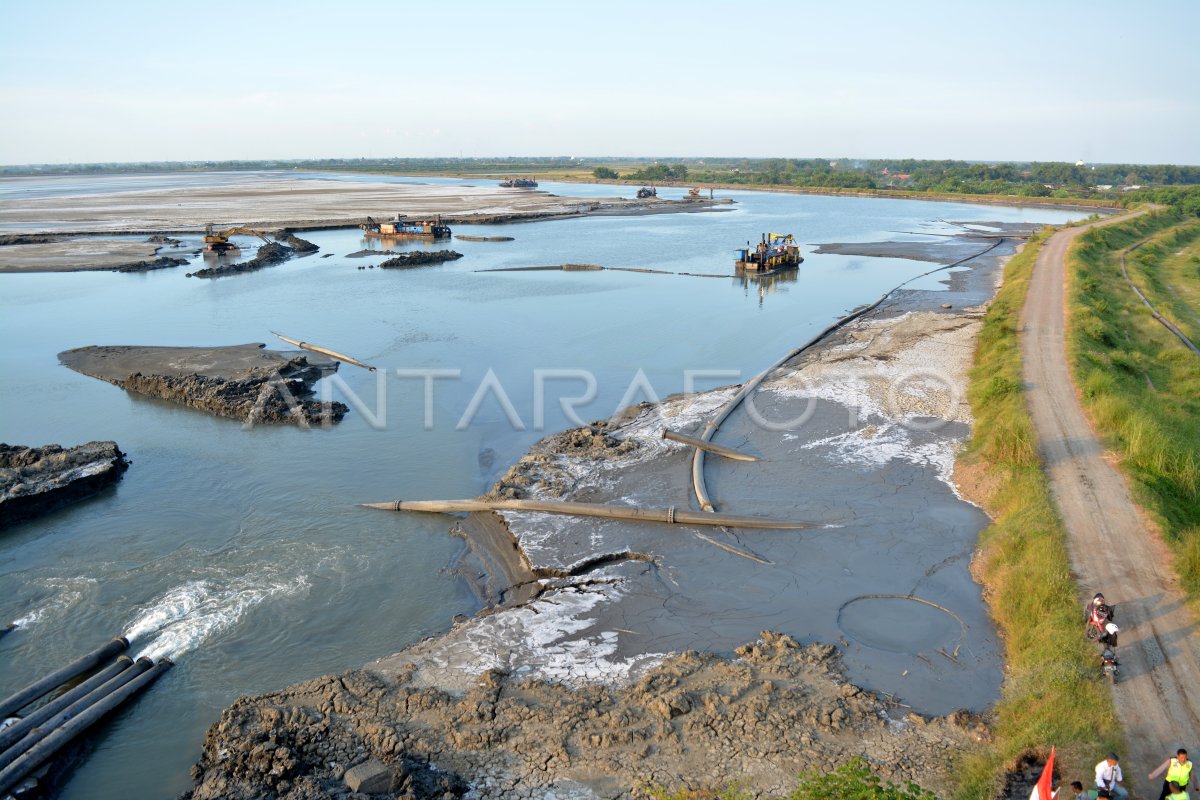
(1140, 385)
(1053, 693)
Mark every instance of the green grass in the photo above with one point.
(1053, 693)
(1140, 385)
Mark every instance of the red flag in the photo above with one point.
(1042, 790)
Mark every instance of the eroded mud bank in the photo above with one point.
(246, 382)
(38, 480)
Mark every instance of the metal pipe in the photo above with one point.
(14, 732)
(325, 352)
(30, 739)
(667, 515)
(9, 628)
(720, 450)
(15, 772)
(52, 681)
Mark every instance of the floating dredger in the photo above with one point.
(401, 227)
(519, 183)
(775, 252)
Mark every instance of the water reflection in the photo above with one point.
(767, 284)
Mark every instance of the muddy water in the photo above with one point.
(240, 552)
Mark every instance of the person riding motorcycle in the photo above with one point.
(1101, 616)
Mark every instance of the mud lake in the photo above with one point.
(241, 553)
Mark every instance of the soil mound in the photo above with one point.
(36, 480)
(696, 720)
(267, 256)
(419, 257)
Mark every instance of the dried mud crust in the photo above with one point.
(37, 480)
(695, 720)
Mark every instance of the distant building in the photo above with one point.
(1080, 164)
(1103, 187)
(1131, 187)
(833, 165)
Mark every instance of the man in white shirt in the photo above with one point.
(1108, 776)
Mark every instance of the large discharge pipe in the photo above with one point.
(80, 706)
(14, 733)
(55, 679)
(15, 772)
(668, 515)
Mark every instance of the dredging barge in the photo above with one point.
(401, 227)
(775, 252)
(519, 183)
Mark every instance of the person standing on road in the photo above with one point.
(1109, 777)
(1178, 769)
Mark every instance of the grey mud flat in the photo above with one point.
(245, 382)
(569, 683)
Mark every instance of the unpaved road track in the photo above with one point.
(1158, 694)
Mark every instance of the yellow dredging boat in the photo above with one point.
(775, 252)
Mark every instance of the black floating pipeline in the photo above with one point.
(17, 771)
(9, 628)
(80, 706)
(37, 689)
(15, 732)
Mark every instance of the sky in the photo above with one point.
(175, 81)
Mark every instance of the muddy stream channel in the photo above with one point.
(241, 552)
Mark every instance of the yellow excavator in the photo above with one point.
(218, 241)
(694, 194)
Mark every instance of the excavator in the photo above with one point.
(694, 194)
(218, 241)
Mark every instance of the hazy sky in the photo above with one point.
(125, 81)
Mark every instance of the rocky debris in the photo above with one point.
(258, 395)
(27, 238)
(419, 257)
(36, 480)
(302, 246)
(484, 238)
(162, 262)
(165, 240)
(267, 256)
(697, 719)
(545, 467)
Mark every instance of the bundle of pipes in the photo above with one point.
(28, 743)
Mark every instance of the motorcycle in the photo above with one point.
(1108, 663)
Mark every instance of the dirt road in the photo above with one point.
(1158, 695)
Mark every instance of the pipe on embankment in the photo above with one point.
(727, 452)
(710, 428)
(55, 679)
(668, 515)
(80, 706)
(14, 733)
(31, 759)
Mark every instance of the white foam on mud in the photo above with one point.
(193, 612)
(64, 594)
(540, 641)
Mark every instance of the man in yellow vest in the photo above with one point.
(1178, 769)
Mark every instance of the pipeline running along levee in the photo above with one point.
(711, 427)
